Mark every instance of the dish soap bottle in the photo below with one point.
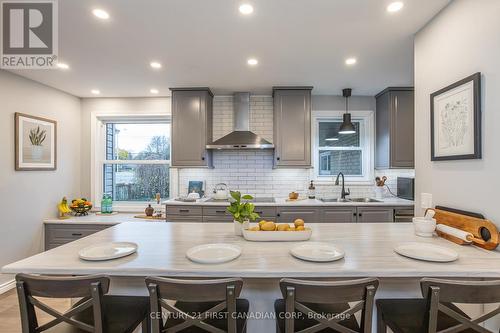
(311, 192)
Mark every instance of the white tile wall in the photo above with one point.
(251, 171)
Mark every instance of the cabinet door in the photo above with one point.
(402, 129)
(375, 215)
(383, 140)
(292, 127)
(339, 215)
(289, 215)
(191, 128)
(57, 235)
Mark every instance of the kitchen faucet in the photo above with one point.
(343, 193)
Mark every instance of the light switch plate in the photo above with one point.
(426, 200)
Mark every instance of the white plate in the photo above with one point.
(213, 253)
(107, 251)
(319, 252)
(427, 252)
(277, 236)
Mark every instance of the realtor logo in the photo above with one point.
(29, 34)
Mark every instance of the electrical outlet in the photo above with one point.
(426, 200)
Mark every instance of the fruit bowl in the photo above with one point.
(80, 207)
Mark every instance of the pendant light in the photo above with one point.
(347, 127)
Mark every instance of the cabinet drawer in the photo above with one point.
(184, 218)
(184, 210)
(56, 235)
(339, 215)
(288, 215)
(266, 211)
(215, 211)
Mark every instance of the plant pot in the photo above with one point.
(239, 227)
(36, 152)
(379, 192)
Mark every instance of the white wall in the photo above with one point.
(26, 197)
(461, 40)
(112, 106)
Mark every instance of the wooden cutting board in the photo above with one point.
(484, 231)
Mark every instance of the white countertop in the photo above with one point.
(93, 218)
(390, 201)
(162, 249)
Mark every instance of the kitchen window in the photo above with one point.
(134, 160)
(351, 154)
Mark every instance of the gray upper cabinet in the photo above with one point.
(191, 127)
(292, 126)
(395, 141)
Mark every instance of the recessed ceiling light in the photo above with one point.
(395, 6)
(62, 65)
(155, 64)
(100, 13)
(351, 61)
(95, 91)
(252, 62)
(246, 9)
(154, 91)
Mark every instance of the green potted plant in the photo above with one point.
(242, 212)
(37, 137)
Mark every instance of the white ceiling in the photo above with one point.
(207, 43)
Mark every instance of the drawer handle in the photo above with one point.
(184, 210)
(261, 212)
(360, 214)
(76, 234)
(220, 211)
(354, 214)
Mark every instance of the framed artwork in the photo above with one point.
(456, 120)
(35, 143)
(196, 186)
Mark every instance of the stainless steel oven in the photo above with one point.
(404, 214)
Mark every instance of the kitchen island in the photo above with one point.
(163, 246)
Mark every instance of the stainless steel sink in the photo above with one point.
(364, 200)
(349, 200)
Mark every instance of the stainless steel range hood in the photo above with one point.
(241, 137)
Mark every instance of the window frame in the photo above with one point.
(367, 146)
(98, 155)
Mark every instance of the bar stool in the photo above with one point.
(199, 305)
(322, 306)
(436, 312)
(94, 312)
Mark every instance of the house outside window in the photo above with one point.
(136, 160)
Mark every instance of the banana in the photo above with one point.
(63, 207)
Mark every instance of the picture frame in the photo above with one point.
(456, 120)
(35, 143)
(196, 186)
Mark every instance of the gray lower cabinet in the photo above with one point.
(183, 213)
(395, 126)
(338, 215)
(292, 127)
(60, 234)
(191, 127)
(289, 214)
(375, 214)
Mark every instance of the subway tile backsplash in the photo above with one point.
(251, 171)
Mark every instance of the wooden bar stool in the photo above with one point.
(94, 312)
(200, 305)
(436, 312)
(322, 306)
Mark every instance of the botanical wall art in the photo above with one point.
(36, 143)
(456, 120)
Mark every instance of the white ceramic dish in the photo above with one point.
(107, 251)
(317, 252)
(426, 252)
(424, 227)
(277, 236)
(213, 253)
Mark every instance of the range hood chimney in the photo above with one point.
(241, 137)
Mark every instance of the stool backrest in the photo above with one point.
(441, 292)
(162, 290)
(89, 288)
(296, 292)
